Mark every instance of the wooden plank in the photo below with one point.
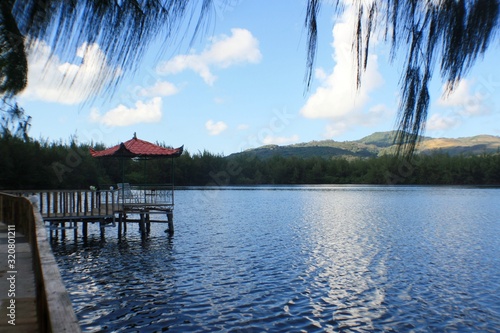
(54, 308)
(61, 316)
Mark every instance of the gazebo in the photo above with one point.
(142, 199)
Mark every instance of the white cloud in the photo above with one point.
(335, 129)
(280, 140)
(51, 80)
(320, 74)
(242, 127)
(215, 128)
(225, 51)
(149, 112)
(438, 122)
(366, 119)
(160, 88)
(466, 101)
(337, 98)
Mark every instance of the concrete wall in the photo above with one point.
(55, 311)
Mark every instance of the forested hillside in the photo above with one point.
(30, 164)
(378, 144)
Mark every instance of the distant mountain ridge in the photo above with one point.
(376, 144)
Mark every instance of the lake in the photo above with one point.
(297, 259)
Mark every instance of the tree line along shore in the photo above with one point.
(38, 164)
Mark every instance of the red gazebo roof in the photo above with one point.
(137, 148)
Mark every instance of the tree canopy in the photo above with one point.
(450, 34)
(41, 164)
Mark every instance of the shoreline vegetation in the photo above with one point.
(32, 164)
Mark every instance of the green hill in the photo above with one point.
(377, 144)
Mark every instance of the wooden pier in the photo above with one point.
(42, 303)
(67, 210)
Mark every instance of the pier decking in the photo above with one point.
(24, 312)
(36, 299)
(64, 210)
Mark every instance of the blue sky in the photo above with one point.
(241, 85)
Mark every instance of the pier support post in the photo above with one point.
(119, 225)
(101, 226)
(84, 230)
(75, 229)
(170, 217)
(141, 224)
(148, 224)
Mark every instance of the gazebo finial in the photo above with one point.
(135, 136)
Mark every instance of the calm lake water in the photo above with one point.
(297, 259)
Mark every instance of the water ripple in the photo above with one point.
(339, 259)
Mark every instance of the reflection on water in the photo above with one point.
(345, 265)
(292, 259)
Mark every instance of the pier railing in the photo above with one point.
(146, 196)
(125, 202)
(54, 308)
(84, 204)
(73, 203)
(145, 200)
